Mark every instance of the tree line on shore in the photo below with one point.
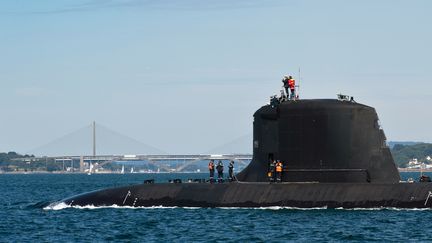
(402, 154)
(12, 161)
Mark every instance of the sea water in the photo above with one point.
(28, 215)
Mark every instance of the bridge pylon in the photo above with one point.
(81, 164)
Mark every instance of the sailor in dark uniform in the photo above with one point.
(271, 171)
(231, 170)
(286, 86)
(219, 169)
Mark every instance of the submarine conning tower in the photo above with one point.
(320, 140)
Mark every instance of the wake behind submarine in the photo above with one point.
(334, 152)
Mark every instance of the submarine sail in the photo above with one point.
(322, 141)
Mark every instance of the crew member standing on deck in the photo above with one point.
(211, 168)
(285, 82)
(219, 169)
(271, 170)
(231, 170)
(279, 169)
(291, 84)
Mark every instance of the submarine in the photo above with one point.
(334, 155)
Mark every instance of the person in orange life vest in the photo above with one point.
(211, 168)
(272, 170)
(291, 84)
(279, 169)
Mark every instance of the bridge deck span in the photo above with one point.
(154, 159)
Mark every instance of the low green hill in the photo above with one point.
(13, 161)
(403, 153)
(391, 144)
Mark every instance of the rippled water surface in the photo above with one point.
(25, 216)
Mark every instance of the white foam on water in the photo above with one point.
(384, 208)
(61, 205)
(56, 206)
(290, 208)
(192, 207)
(272, 208)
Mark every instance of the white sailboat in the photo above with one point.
(132, 171)
(122, 170)
(90, 169)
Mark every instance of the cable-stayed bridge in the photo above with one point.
(94, 140)
(94, 146)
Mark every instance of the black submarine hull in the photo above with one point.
(334, 154)
(240, 194)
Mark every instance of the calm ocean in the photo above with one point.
(26, 217)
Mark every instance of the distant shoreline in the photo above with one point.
(114, 172)
(413, 170)
(98, 173)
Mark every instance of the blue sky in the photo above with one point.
(186, 76)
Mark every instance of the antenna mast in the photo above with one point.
(298, 84)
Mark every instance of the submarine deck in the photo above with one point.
(261, 194)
